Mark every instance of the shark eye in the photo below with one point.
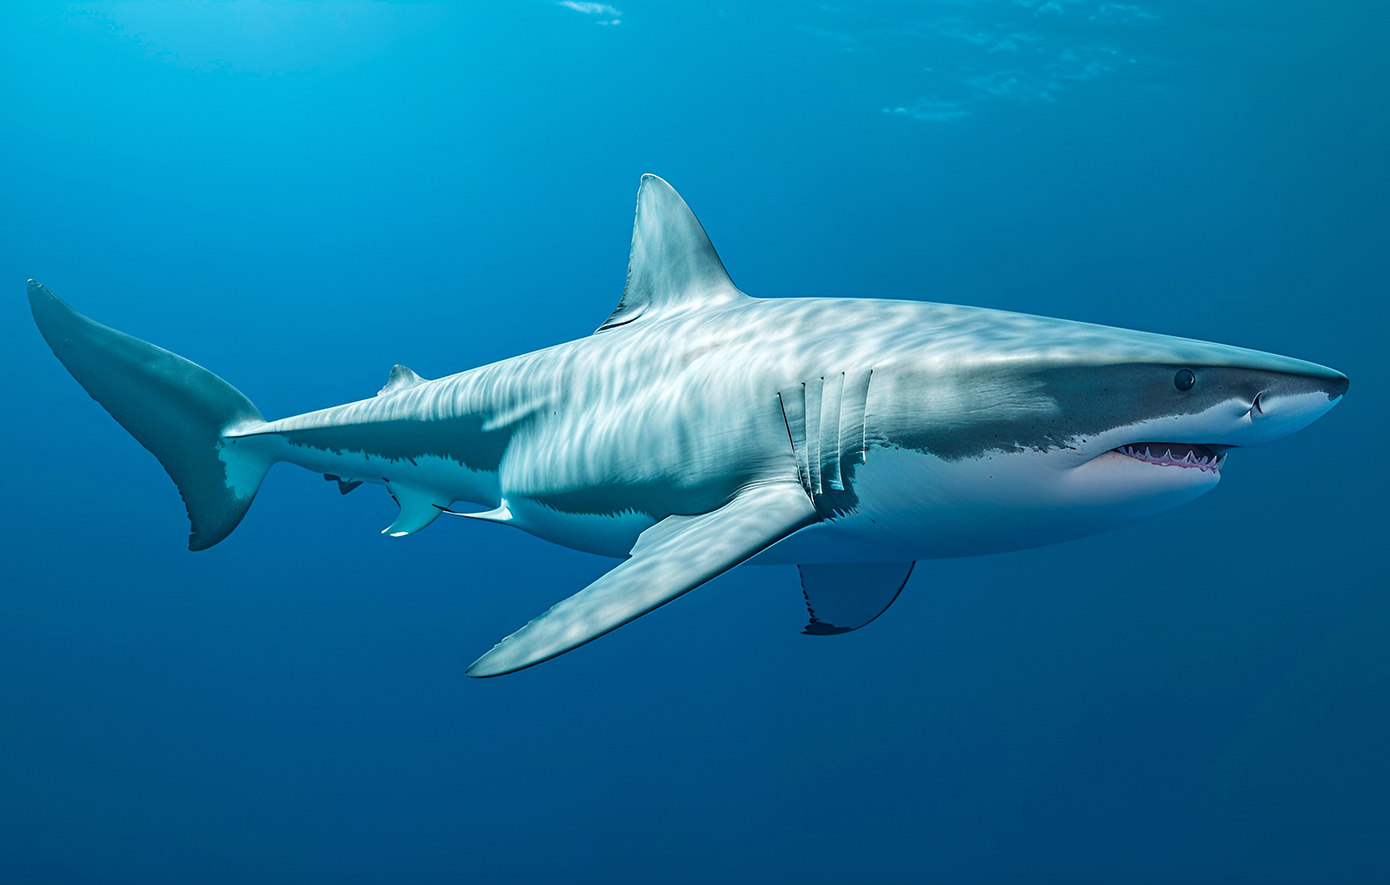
(1184, 380)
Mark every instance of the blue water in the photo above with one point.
(299, 195)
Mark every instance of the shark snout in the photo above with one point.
(1288, 405)
(1336, 385)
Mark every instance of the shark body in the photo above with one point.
(701, 428)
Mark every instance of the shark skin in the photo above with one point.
(700, 428)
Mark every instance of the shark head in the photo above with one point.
(1037, 430)
(1152, 435)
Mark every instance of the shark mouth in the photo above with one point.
(1175, 455)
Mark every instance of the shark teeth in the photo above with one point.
(1184, 455)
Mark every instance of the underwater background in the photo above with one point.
(298, 195)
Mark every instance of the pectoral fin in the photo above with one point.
(845, 597)
(673, 557)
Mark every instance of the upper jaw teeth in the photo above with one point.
(1165, 457)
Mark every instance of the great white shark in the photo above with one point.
(700, 428)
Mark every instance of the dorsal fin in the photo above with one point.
(672, 262)
(400, 379)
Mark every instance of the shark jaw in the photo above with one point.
(1188, 456)
(1197, 445)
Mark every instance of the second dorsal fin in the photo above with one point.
(400, 379)
(672, 262)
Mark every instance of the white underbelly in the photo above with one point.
(914, 506)
(604, 534)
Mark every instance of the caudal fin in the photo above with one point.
(174, 408)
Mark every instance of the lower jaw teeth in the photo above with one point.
(1191, 459)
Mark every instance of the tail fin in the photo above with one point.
(174, 408)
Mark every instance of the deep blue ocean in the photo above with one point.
(299, 195)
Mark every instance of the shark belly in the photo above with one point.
(912, 505)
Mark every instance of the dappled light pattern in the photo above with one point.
(700, 427)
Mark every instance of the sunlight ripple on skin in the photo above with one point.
(700, 428)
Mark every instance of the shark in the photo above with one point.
(700, 428)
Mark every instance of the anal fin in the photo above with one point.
(841, 597)
(419, 508)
